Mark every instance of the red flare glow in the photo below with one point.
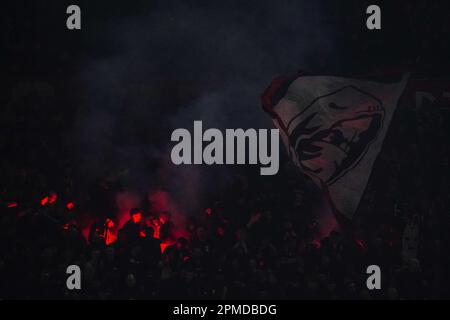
(66, 226)
(208, 211)
(12, 205)
(166, 244)
(125, 202)
(44, 201)
(156, 226)
(109, 238)
(109, 223)
(137, 217)
(70, 205)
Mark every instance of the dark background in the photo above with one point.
(139, 69)
(86, 109)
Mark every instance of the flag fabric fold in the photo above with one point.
(333, 129)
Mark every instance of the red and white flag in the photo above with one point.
(333, 129)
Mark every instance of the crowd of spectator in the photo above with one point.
(256, 239)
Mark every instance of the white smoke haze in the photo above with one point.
(168, 67)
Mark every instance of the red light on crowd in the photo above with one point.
(66, 226)
(109, 223)
(142, 234)
(12, 205)
(44, 201)
(164, 245)
(156, 231)
(137, 217)
(110, 238)
(70, 205)
(208, 211)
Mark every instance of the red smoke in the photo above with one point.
(160, 201)
(125, 201)
(326, 220)
(162, 211)
(163, 206)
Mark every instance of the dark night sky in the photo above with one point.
(226, 36)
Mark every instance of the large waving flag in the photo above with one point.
(333, 129)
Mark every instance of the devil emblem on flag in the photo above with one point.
(333, 129)
(330, 143)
